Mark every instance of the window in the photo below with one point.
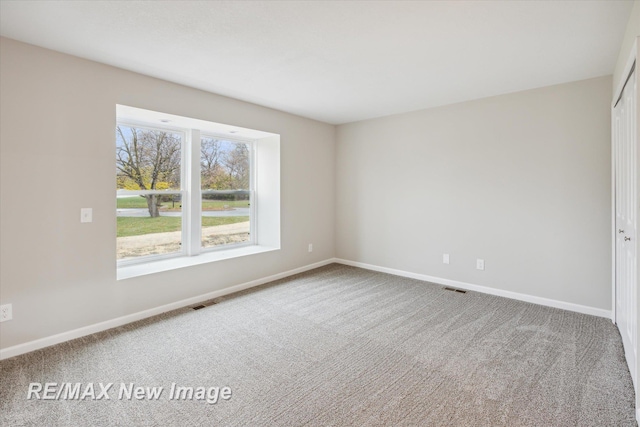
(149, 197)
(187, 187)
(225, 180)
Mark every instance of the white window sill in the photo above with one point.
(130, 271)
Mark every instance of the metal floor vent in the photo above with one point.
(455, 290)
(198, 307)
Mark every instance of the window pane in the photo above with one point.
(148, 159)
(225, 167)
(140, 234)
(225, 218)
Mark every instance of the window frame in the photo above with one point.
(191, 193)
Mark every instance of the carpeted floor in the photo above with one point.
(340, 346)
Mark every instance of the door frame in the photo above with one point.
(616, 94)
(631, 60)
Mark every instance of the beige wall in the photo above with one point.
(520, 180)
(632, 31)
(57, 155)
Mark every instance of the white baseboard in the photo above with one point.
(484, 289)
(119, 321)
(113, 323)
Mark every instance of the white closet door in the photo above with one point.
(624, 133)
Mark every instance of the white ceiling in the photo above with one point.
(336, 61)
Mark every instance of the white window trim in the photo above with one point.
(191, 221)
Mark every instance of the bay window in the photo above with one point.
(187, 187)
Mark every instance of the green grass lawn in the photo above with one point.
(130, 226)
(207, 205)
(131, 202)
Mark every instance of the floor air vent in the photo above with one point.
(208, 303)
(460, 291)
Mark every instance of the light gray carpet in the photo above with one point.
(342, 346)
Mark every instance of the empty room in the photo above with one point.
(319, 213)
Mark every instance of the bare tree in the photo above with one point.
(237, 163)
(224, 165)
(209, 153)
(149, 159)
(211, 168)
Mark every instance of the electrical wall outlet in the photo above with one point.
(6, 312)
(480, 264)
(310, 247)
(445, 258)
